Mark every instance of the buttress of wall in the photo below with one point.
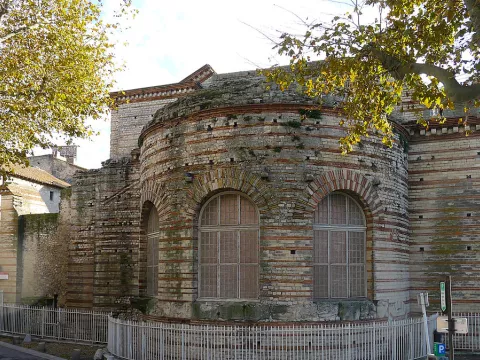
(8, 246)
(444, 180)
(127, 123)
(106, 213)
(35, 235)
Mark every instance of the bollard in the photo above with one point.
(75, 354)
(41, 347)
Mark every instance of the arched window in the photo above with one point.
(228, 248)
(339, 248)
(152, 252)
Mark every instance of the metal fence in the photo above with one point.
(401, 339)
(61, 324)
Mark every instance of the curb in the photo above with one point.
(30, 352)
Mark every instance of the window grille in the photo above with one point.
(152, 252)
(229, 248)
(339, 238)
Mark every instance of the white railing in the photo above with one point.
(401, 339)
(61, 324)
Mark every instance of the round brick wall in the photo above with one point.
(283, 153)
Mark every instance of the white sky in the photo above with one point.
(169, 40)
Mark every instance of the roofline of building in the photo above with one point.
(187, 85)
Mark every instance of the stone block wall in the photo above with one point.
(280, 151)
(8, 246)
(59, 168)
(35, 231)
(105, 218)
(444, 180)
(127, 122)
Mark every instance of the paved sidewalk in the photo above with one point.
(12, 352)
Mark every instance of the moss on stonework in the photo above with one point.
(293, 124)
(312, 114)
(238, 311)
(66, 193)
(41, 221)
(145, 304)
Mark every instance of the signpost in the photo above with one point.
(439, 349)
(449, 324)
(443, 301)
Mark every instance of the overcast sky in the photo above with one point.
(169, 40)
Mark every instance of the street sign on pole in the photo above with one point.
(443, 299)
(460, 325)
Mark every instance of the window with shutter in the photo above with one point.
(339, 234)
(228, 248)
(152, 252)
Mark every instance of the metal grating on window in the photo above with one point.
(339, 248)
(355, 213)
(229, 248)
(210, 214)
(152, 252)
(229, 210)
(321, 215)
(338, 209)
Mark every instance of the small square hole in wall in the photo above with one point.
(293, 252)
(469, 214)
(235, 124)
(422, 249)
(51, 195)
(210, 162)
(421, 179)
(308, 158)
(274, 120)
(232, 159)
(420, 216)
(469, 176)
(469, 247)
(317, 122)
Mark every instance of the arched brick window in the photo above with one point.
(339, 248)
(228, 248)
(152, 252)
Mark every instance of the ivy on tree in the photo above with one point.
(56, 67)
(423, 46)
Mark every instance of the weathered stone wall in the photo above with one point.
(105, 218)
(35, 232)
(8, 246)
(127, 122)
(59, 168)
(277, 149)
(445, 223)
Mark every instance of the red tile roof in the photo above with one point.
(38, 175)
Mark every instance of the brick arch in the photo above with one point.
(210, 183)
(365, 192)
(153, 192)
(349, 181)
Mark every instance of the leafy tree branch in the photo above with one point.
(427, 47)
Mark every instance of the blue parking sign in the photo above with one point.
(439, 349)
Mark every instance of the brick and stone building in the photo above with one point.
(29, 206)
(225, 200)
